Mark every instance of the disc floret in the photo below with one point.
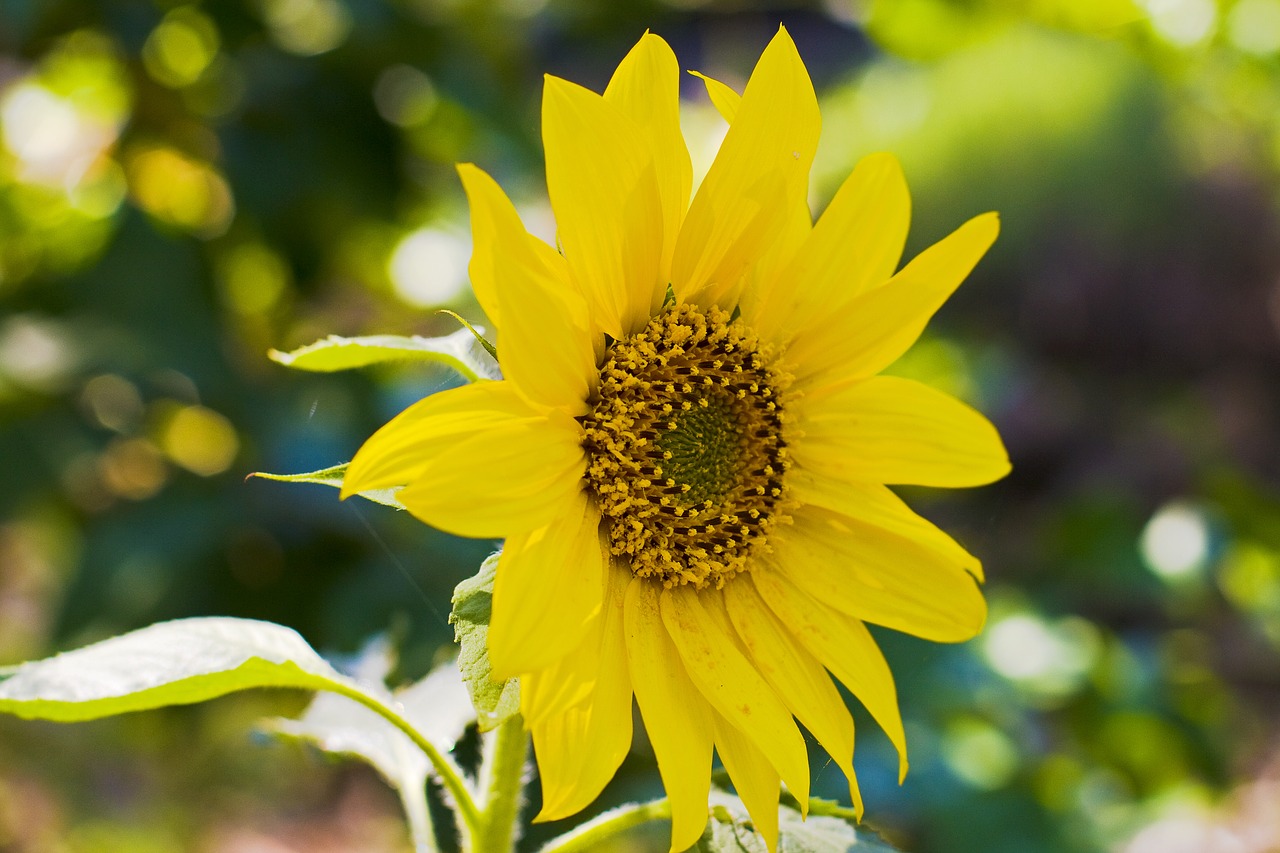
(686, 447)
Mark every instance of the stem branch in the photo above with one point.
(450, 776)
(607, 825)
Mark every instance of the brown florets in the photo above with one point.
(685, 447)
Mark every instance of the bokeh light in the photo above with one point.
(180, 190)
(181, 48)
(1175, 542)
(307, 27)
(429, 267)
(199, 439)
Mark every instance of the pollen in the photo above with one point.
(686, 448)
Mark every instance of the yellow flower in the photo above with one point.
(689, 452)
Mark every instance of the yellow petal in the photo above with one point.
(723, 98)
(855, 246)
(579, 748)
(572, 679)
(489, 207)
(796, 676)
(398, 453)
(879, 577)
(899, 432)
(676, 716)
(766, 276)
(734, 688)
(544, 344)
(755, 779)
(550, 584)
(797, 220)
(502, 480)
(602, 180)
(646, 87)
(867, 334)
(840, 643)
(567, 683)
(740, 205)
(874, 504)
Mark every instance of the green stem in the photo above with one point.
(502, 777)
(450, 776)
(607, 825)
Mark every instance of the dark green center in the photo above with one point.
(705, 443)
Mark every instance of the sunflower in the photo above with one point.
(690, 451)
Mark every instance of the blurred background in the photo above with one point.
(183, 187)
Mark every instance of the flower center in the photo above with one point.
(685, 447)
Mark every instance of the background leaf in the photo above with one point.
(438, 706)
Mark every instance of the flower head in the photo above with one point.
(689, 454)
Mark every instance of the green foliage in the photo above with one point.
(333, 476)
(495, 701)
(730, 831)
(172, 663)
(463, 351)
(437, 706)
(194, 660)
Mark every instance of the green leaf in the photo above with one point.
(172, 663)
(495, 701)
(724, 834)
(460, 351)
(820, 834)
(437, 706)
(191, 660)
(475, 333)
(333, 476)
(820, 806)
(730, 830)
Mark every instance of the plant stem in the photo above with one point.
(607, 825)
(450, 776)
(502, 777)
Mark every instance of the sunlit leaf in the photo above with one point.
(171, 663)
(460, 351)
(192, 660)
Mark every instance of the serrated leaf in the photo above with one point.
(730, 830)
(495, 701)
(333, 476)
(460, 351)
